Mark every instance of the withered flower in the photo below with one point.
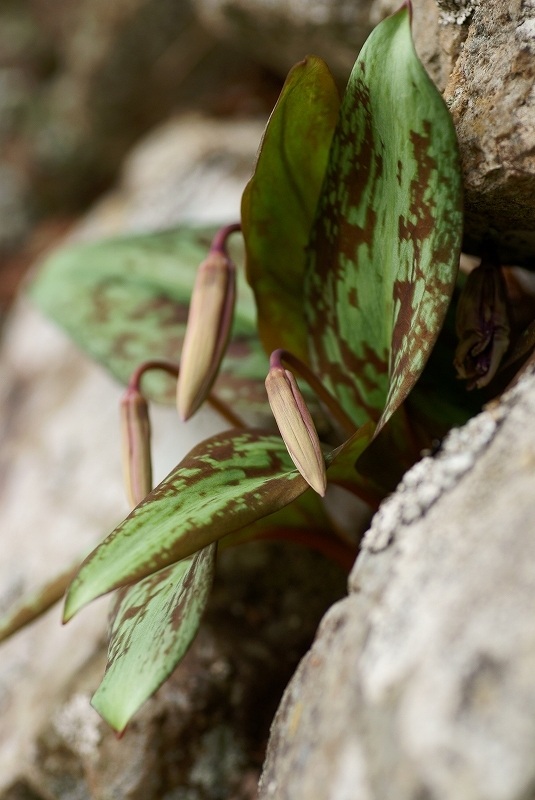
(482, 325)
(135, 431)
(207, 332)
(296, 426)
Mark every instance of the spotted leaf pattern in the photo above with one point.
(152, 624)
(386, 240)
(125, 300)
(223, 484)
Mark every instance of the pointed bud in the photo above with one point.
(207, 333)
(135, 430)
(482, 325)
(296, 427)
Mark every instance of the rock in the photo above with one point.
(437, 34)
(421, 684)
(202, 736)
(124, 65)
(283, 32)
(490, 95)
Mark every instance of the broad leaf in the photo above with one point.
(223, 484)
(386, 240)
(152, 624)
(279, 201)
(125, 301)
(342, 467)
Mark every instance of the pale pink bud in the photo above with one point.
(207, 332)
(296, 427)
(135, 430)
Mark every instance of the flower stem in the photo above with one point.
(173, 369)
(219, 242)
(276, 359)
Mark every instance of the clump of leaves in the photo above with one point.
(352, 226)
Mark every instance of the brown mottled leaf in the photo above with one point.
(152, 624)
(223, 484)
(125, 301)
(386, 240)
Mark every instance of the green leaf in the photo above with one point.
(342, 467)
(386, 240)
(125, 301)
(152, 624)
(223, 484)
(279, 201)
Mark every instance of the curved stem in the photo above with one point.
(276, 359)
(219, 242)
(173, 369)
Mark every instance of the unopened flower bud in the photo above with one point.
(296, 427)
(135, 429)
(207, 332)
(482, 325)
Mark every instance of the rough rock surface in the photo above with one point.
(203, 735)
(491, 96)
(281, 32)
(421, 684)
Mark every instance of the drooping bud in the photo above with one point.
(296, 426)
(135, 430)
(482, 325)
(207, 332)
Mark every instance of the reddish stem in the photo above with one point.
(173, 369)
(219, 243)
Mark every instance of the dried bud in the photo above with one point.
(135, 429)
(207, 333)
(482, 326)
(296, 427)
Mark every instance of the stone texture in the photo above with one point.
(203, 735)
(421, 684)
(281, 32)
(492, 99)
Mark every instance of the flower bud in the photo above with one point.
(207, 332)
(482, 326)
(296, 427)
(135, 430)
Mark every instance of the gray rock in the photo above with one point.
(421, 684)
(491, 98)
(282, 32)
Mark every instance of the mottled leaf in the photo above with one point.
(152, 624)
(223, 484)
(279, 201)
(386, 240)
(125, 301)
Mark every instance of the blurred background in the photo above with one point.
(82, 80)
